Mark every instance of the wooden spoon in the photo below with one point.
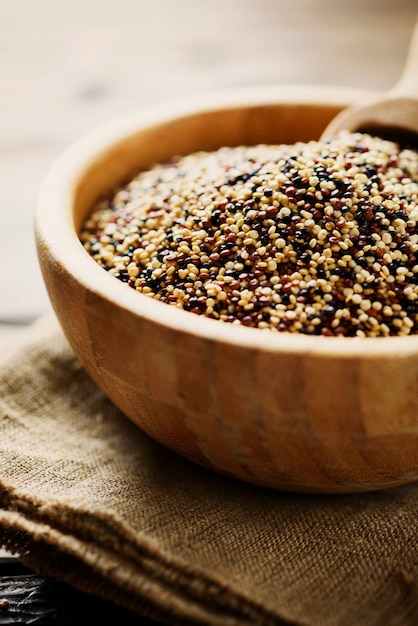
(393, 115)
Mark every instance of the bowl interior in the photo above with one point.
(113, 154)
(282, 122)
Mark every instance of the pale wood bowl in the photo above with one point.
(286, 411)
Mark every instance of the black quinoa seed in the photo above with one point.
(318, 238)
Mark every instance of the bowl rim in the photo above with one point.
(56, 232)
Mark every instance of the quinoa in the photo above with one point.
(317, 238)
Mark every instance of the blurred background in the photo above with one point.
(67, 67)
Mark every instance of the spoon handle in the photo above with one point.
(407, 84)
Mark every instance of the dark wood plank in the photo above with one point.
(27, 598)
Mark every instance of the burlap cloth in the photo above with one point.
(86, 497)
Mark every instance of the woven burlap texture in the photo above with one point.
(88, 498)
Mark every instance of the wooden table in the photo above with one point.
(67, 67)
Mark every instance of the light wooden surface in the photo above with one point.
(392, 113)
(67, 67)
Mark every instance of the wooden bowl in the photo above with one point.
(286, 411)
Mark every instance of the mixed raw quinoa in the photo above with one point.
(318, 238)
